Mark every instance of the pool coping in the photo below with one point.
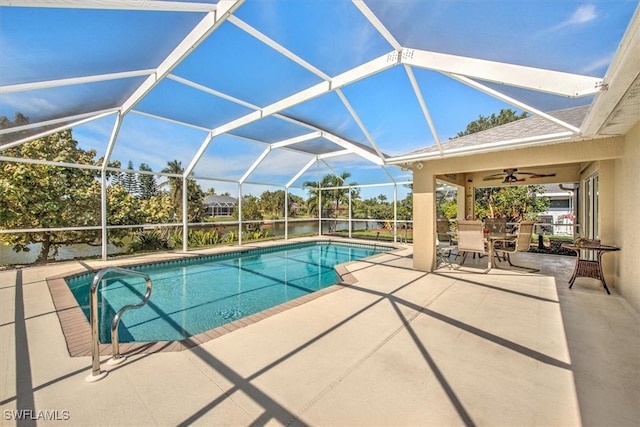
(76, 328)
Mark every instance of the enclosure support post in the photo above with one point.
(395, 213)
(319, 211)
(103, 183)
(239, 213)
(103, 213)
(185, 214)
(349, 222)
(286, 213)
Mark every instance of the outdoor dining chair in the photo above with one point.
(521, 243)
(471, 238)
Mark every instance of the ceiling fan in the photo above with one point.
(511, 177)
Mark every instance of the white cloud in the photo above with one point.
(597, 65)
(582, 15)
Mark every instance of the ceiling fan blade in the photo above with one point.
(543, 175)
(494, 176)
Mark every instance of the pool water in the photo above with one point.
(194, 295)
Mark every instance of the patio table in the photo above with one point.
(588, 267)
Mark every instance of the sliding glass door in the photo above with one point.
(591, 207)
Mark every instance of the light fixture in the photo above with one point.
(509, 179)
(419, 165)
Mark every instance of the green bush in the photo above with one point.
(204, 238)
(148, 241)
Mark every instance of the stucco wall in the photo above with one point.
(547, 155)
(627, 218)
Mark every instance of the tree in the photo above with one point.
(174, 183)
(250, 212)
(484, 123)
(147, 183)
(515, 203)
(130, 181)
(335, 197)
(45, 196)
(18, 120)
(49, 196)
(272, 202)
(195, 196)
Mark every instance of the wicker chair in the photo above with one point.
(520, 244)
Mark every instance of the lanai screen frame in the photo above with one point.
(474, 73)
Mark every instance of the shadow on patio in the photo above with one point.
(400, 347)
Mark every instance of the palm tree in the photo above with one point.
(174, 183)
(333, 197)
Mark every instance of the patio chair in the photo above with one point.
(444, 236)
(497, 227)
(520, 244)
(471, 238)
(445, 243)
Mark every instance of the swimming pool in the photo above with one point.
(191, 296)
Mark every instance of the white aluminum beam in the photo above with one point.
(330, 168)
(484, 148)
(194, 161)
(22, 87)
(110, 146)
(211, 91)
(277, 47)
(49, 163)
(372, 67)
(255, 164)
(367, 69)
(297, 98)
(296, 140)
(96, 114)
(300, 172)
(99, 115)
(355, 149)
(334, 154)
(150, 5)
(373, 19)
(205, 27)
(514, 102)
(537, 79)
(423, 105)
(168, 120)
(361, 125)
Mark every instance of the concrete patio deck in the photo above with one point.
(398, 348)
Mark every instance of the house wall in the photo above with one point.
(627, 219)
(547, 155)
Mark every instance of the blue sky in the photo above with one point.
(332, 35)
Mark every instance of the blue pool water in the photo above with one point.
(195, 295)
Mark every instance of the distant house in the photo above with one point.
(562, 208)
(220, 205)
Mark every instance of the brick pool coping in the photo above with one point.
(76, 328)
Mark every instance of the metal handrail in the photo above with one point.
(97, 373)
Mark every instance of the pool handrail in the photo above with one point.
(97, 373)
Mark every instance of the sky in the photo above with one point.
(240, 73)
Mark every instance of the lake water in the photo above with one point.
(8, 256)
